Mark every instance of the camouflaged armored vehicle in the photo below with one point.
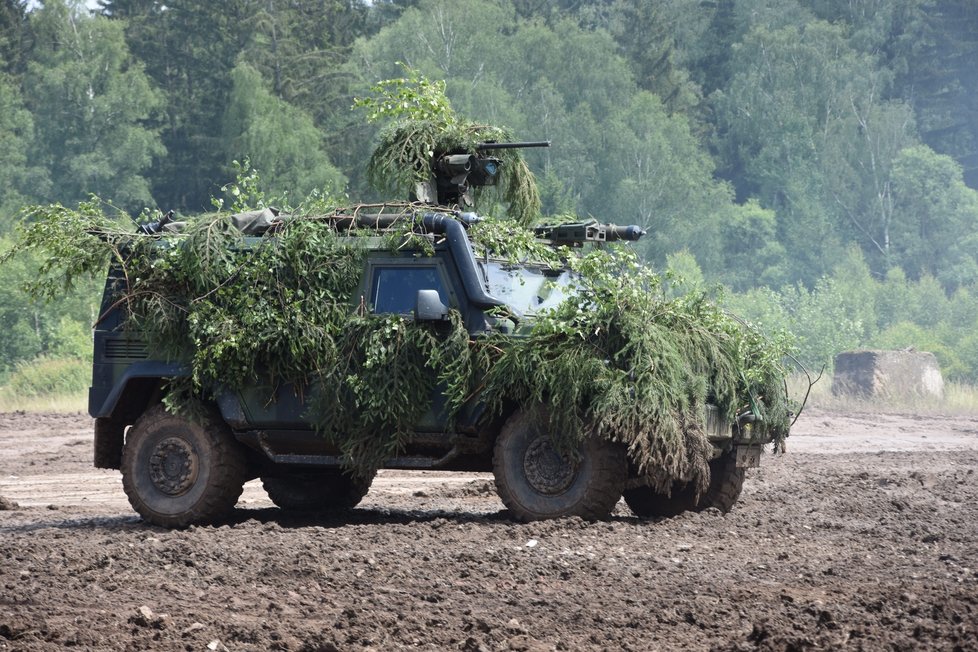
(179, 470)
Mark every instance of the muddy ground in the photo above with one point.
(863, 536)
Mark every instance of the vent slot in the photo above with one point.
(124, 349)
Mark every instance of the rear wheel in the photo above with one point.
(327, 491)
(648, 503)
(177, 472)
(536, 482)
(726, 483)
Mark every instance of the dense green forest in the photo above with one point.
(817, 158)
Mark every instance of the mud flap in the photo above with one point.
(109, 435)
(749, 457)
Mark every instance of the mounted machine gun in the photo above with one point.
(454, 173)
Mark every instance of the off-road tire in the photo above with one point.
(726, 483)
(536, 483)
(177, 472)
(320, 491)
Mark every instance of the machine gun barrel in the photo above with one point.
(577, 233)
(484, 147)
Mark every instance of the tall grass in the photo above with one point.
(46, 384)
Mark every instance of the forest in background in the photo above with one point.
(816, 158)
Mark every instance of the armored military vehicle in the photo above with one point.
(418, 264)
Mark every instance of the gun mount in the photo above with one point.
(454, 173)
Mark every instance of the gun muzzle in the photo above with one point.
(630, 233)
(154, 227)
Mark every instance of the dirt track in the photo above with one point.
(863, 536)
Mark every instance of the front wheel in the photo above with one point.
(177, 472)
(535, 482)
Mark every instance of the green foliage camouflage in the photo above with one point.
(381, 384)
(617, 358)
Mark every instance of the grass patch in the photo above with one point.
(64, 404)
(47, 385)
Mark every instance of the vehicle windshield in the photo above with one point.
(527, 288)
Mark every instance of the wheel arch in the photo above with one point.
(119, 405)
(133, 392)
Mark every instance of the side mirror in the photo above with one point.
(429, 307)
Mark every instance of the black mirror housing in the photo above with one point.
(429, 307)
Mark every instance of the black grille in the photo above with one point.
(125, 349)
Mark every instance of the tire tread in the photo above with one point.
(607, 480)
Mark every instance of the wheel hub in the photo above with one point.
(173, 466)
(545, 469)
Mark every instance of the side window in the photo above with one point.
(395, 289)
